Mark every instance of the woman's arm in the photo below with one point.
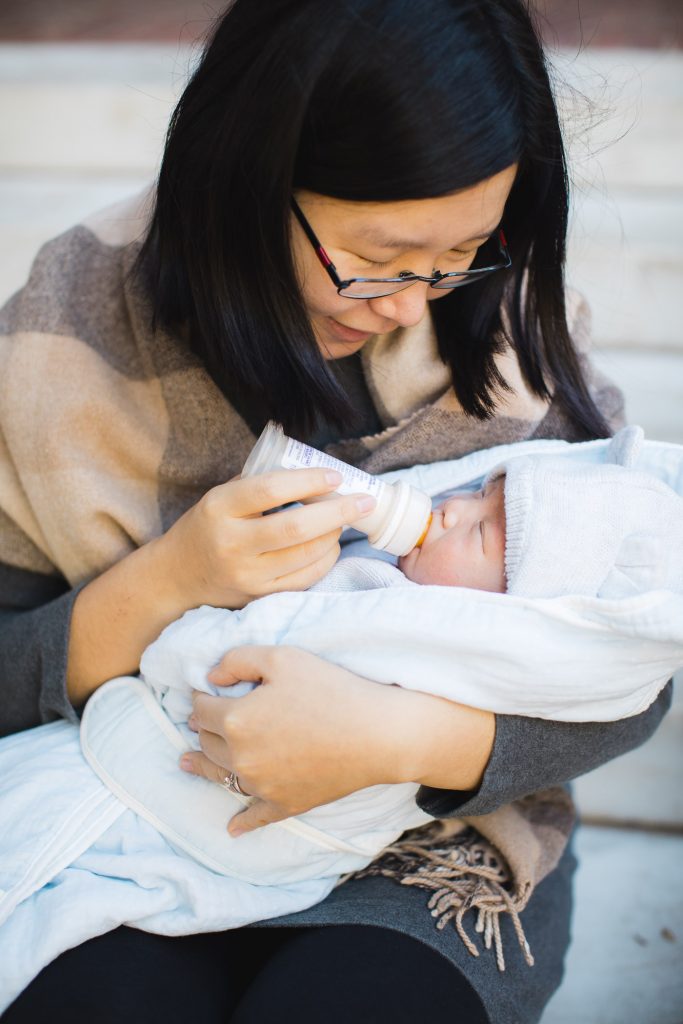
(222, 552)
(313, 732)
(57, 644)
(35, 611)
(533, 753)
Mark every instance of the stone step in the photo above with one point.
(625, 255)
(623, 109)
(652, 383)
(642, 788)
(87, 108)
(74, 114)
(35, 207)
(623, 114)
(625, 964)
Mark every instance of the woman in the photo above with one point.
(326, 170)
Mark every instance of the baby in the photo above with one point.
(465, 543)
(125, 837)
(545, 527)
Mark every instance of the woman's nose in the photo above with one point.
(404, 308)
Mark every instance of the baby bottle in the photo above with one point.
(398, 522)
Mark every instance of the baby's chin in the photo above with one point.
(407, 562)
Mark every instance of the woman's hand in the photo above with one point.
(224, 552)
(313, 732)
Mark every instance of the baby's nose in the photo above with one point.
(455, 509)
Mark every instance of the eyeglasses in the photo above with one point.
(376, 287)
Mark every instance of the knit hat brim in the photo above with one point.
(597, 530)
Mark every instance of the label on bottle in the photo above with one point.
(355, 481)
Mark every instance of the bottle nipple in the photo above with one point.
(421, 539)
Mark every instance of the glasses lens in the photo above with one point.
(456, 281)
(373, 289)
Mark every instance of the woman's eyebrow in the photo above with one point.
(379, 238)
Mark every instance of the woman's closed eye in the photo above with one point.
(453, 257)
(377, 263)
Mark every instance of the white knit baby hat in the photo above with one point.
(602, 530)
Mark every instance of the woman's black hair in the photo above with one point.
(363, 100)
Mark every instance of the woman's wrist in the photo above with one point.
(117, 615)
(444, 745)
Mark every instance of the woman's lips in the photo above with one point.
(348, 333)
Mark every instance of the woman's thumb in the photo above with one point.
(257, 814)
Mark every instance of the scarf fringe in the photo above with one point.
(464, 874)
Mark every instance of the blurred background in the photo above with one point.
(86, 89)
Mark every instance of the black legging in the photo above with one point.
(336, 974)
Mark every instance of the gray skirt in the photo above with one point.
(520, 993)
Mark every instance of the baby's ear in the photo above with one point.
(624, 448)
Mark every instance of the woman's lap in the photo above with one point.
(364, 967)
(335, 973)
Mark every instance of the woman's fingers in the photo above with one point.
(296, 526)
(249, 663)
(301, 566)
(194, 762)
(216, 749)
(310, 733)
(256, 815)
(212, 714)
(214, 553)
(254, 494)
(304, 577)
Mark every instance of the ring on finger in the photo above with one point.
(231, 783)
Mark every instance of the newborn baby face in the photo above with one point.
(465, 545)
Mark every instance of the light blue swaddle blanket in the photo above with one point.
(101, 829)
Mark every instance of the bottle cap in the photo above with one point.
(420, 540)
(408, 521)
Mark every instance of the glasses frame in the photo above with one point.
(406, 277)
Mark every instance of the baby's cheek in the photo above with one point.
(430, 569)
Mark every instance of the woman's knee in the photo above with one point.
(134, 977)
(356, 972)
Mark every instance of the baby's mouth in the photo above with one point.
(435, 523)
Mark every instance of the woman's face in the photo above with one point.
(382, 239)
